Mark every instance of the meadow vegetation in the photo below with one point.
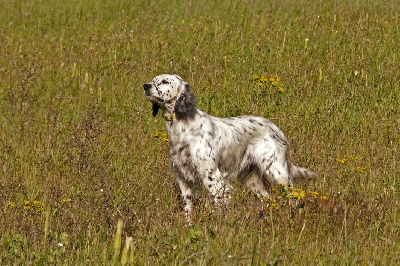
(79, 149)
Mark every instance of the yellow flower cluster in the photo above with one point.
(27, 205)
(275, 205)
(352, 159)
(65, 200)
(11, 204)
(33, 205)
(360, 168)
(271, 82)
(296, 193)
(349, 158)
(161, 135)
(316, 195)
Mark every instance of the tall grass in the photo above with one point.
(79, 149)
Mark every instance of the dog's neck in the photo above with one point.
(168, 112)
(169, 117)
(175, 125)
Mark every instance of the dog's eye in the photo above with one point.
(164, 81)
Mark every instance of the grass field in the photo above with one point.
(79, 149)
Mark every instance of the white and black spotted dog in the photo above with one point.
(207, 149)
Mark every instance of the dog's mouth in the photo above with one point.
(153, 98)
(159, 99)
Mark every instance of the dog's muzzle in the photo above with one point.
(147, 88)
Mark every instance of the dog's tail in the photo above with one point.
(300, 173)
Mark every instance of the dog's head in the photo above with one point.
(172, 94)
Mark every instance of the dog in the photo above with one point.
(209, 150)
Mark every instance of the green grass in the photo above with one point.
(78, 149)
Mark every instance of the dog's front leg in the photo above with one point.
(187, 195)
(217, 187)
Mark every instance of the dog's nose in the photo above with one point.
(147, 86)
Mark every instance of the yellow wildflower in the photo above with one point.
(298, 194)
(354, 158)
(274, 205)
(165, 138)
(314, 194)
(360, 169)
(156, 134)
(65, 200)
(161, 135)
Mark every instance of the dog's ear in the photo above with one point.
(185, 105)
(156, 107)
